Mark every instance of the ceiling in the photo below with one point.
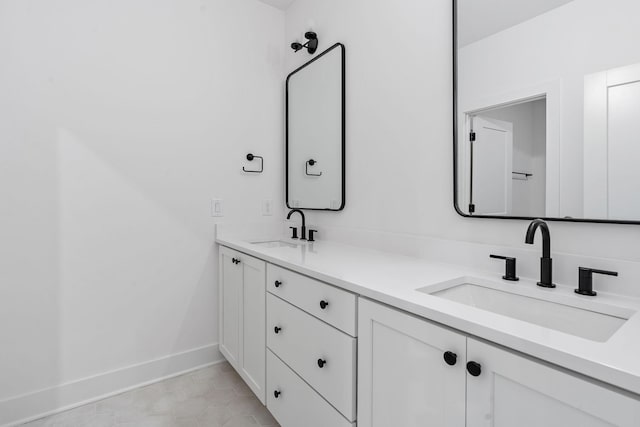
(280, 4)
(480, 19)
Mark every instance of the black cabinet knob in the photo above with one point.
(235, 261)
(276, 394)
(474, 368)
(277, 329)
(450, 357)
(324, 304)
(321, 363)
(277, 283)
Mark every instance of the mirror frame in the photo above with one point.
(343, 148)
(455, 150)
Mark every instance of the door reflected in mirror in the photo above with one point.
(548, 96)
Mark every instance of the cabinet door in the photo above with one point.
(403, 378)
(252, 324)
(230, 285)
(513, 390)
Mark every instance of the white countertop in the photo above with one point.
(394, 279)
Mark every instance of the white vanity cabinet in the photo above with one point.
(404, 379)
(311, 354)
(242, 316)
(514, 390)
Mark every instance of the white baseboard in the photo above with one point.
(40, 403)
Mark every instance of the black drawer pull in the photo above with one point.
(324, 304)
(277, 329)
(277, 283)
(451, 358)
(276, 394)
(321, 363)
(474, 368)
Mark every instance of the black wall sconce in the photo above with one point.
(311, 44)
(251, 157)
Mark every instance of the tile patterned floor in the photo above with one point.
(210, 397)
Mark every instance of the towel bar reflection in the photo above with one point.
(251, 157)
(311, 162)
(523, 176)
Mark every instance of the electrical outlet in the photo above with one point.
(217, 208)
(267, 207)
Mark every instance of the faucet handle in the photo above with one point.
(294, 232)
(510, 267)
(585, 280)
(311, 235)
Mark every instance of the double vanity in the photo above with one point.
(328, 334)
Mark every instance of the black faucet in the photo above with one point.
(546, 263)
(303, 230)
(585, 280)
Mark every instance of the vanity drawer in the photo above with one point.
(308, 294)
(322, 355)
(297, 404)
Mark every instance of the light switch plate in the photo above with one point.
(217, 208)
(267, 208)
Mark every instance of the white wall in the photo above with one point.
(399, 144)
(119, 121)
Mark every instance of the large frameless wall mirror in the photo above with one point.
(547, 109)
(315, 133)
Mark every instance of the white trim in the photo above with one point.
(596, 167)
(41, 403)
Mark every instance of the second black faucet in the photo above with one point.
(546, 263)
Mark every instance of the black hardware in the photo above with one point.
(294, 232)
(472, 208)
(546, 263)
(585, 280)
(311, 162)
(277, 329)
(251, 157)
(450, 357)
(525, 174)
(311, 235)
(235, 261)
(276, 394)
(474, 368)
(303, 229)
(324, 304)
(510, 267)
(311, 44)
(277, 283)
(321, 363)
(343, 133)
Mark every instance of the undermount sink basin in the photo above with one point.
(581, 322)
(275, 244)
